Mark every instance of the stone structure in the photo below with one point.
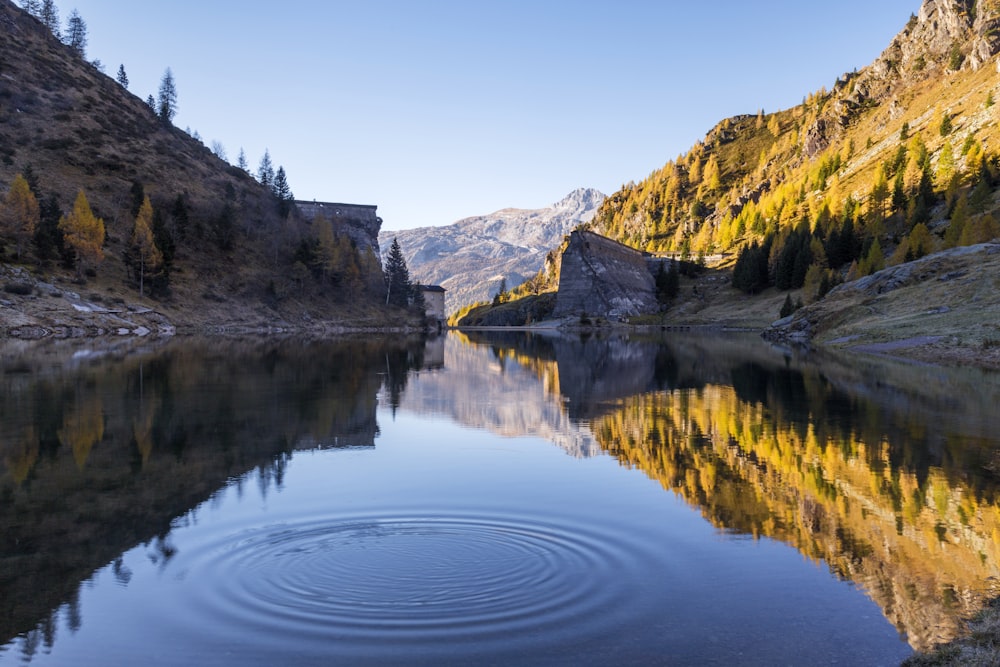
(604, 278)
(434, 303)
(358, 221)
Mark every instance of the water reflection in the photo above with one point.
(889, 473)
(103, 448)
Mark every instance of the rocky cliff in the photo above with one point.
(602, 277)
(470, 257)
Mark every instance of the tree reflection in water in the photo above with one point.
(886, 473)
(101, 452)
(889, 473)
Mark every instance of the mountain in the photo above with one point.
(470, 257)
(884, 148)
(234, 254)
(896, 162)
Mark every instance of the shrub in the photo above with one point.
(22, 289)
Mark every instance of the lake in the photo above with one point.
(489, 499)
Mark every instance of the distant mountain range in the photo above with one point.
(469, 258)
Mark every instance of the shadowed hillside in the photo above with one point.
(232, 251)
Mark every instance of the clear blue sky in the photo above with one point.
(439, 110)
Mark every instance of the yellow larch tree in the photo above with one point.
(84, 233)
(19, 214)
(143, 245)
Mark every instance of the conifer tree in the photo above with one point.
(166, 103)
(501, 295)
(84, 233)
(397, 277)
(282, 192)
(241, 161)
(265, 171)
(76, 34)
(48, 14)
(959, 218)
(325, 245)
(122, 77)
(19, 214)
(143, 247)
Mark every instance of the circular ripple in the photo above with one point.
(390, 578)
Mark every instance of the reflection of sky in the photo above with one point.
(698, 591)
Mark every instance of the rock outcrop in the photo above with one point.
(602, 277)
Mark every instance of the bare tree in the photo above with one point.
(219, 150)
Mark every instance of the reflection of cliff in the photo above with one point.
(101, 452)
(842, 479)
(484, 387)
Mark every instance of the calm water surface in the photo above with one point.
(502, 499)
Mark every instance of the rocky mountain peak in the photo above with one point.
(944, 35)
(581, 199)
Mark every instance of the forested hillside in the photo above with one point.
(101, 193)
(893, 162)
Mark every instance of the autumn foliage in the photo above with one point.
(84, 233)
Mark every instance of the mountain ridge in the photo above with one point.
(471, 256)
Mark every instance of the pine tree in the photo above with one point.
(142, 246)
(265, 171)
(166, 103)
(48, 14)
(48, 237)
(397, 277)
(959, 218)
(282, 192)
(151, 103)
(122, 77)
(19, 214)
(76, 34)
(83, 233)
(241, 161)
(501, 295)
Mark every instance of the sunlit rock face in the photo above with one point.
(470, 257)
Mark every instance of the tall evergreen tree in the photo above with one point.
(122, 77)
(166, 104)
(48, 14)
(48, 237)
(265, 171)
(397, 277)
(282, 192)
(76, 34)
(241, 161)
